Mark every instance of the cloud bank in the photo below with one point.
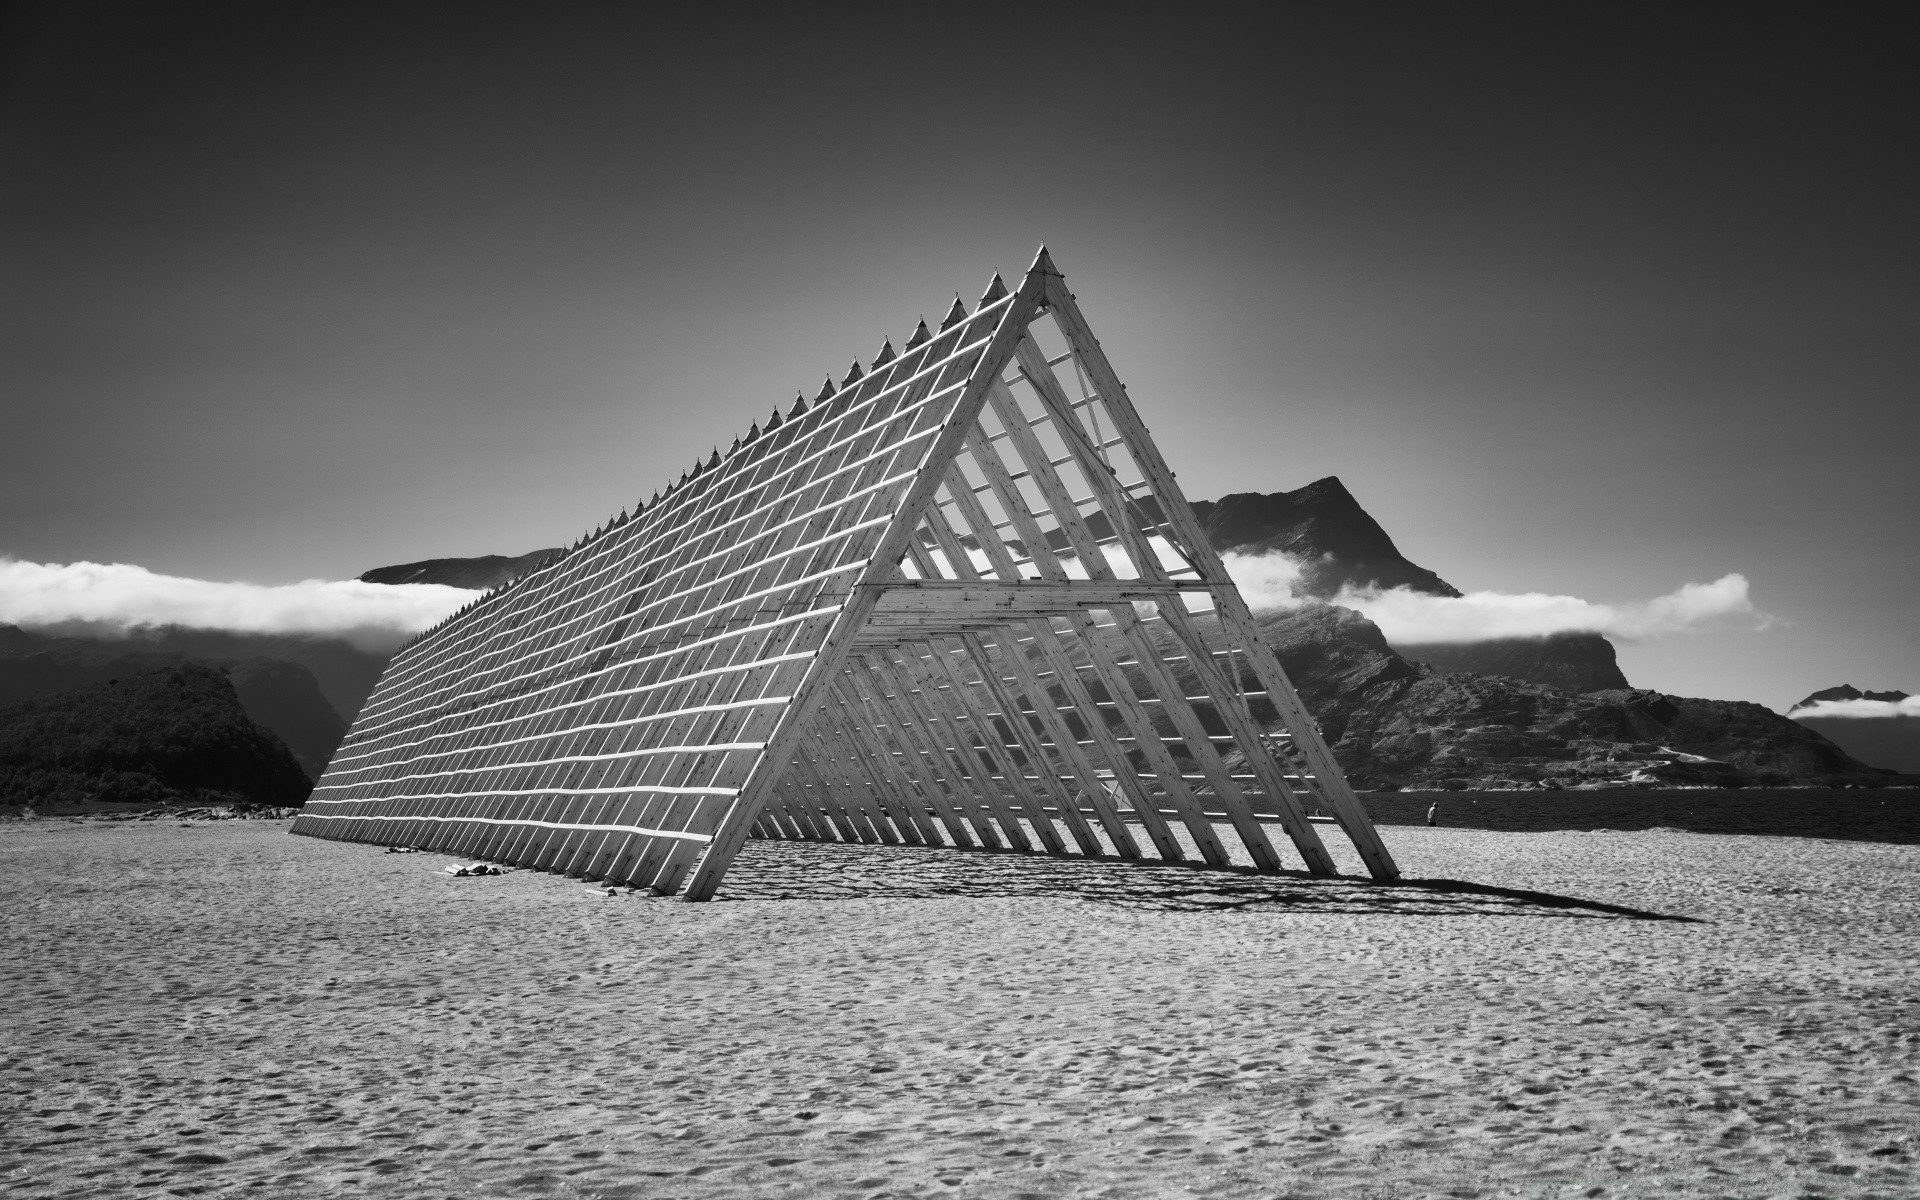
(1410, 618)
(1859, 709)
(118, 597)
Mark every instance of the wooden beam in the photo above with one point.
(732, 830)
(1331, 782)
(982, 600)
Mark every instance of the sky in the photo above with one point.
(1590, 302)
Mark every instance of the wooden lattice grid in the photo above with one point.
(957, 600)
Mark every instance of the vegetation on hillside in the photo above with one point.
(177, 735)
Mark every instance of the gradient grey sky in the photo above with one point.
(1593, 301)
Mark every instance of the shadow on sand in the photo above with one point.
(782, 870)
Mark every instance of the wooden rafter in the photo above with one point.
(954, 601)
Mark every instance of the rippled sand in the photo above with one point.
(222, 1008)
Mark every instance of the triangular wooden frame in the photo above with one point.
(954, 600)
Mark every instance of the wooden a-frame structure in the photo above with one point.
(957, 600)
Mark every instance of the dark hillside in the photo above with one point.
(169, 736)
(284, 697)
(33, 663)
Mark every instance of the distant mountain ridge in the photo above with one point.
(1847, 691)
(477, 574)
(1892, 740)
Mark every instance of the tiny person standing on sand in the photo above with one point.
(1433, 813)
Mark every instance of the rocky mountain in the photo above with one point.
(1339, 545)
(479, 574)
(1394, 723)
(1891, 740)
(173, 735)
(304, 689)
(1322, 527)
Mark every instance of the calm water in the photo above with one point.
(1852, 814)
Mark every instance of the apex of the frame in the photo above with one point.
(826, 391)
(1043, 265)
(920, 334)
(955, 315)
(886, 354)
(995, 291)
(854, 375)
(715, 460)
(773, 422)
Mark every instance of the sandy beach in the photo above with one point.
(209, 1008)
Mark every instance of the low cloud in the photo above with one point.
(1859, 709)
(1410, 618)
(119, 597)
(1266, 581)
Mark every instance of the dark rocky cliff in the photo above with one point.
(1324, 528)
(1576, 662)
